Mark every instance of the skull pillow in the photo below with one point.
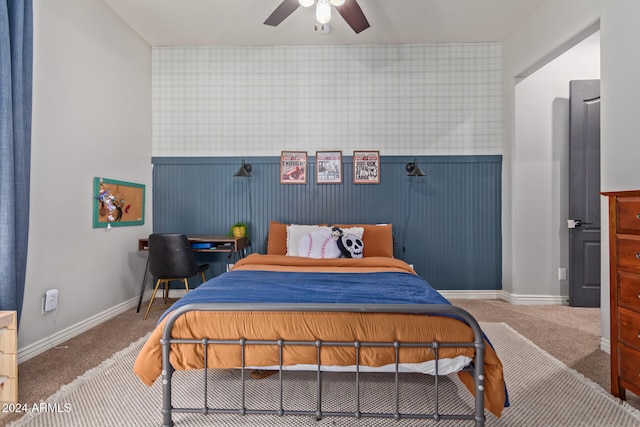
(351, 246)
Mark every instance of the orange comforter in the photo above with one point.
(343, 265)
(326, 326)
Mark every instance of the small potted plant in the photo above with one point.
(239, 229)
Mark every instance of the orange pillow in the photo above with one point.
(377, 239)
(277, 238)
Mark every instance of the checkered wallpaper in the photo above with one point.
(428, 99)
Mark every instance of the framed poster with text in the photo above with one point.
(329, 167)
(293, 167)
(366, 167)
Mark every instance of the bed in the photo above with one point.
(282, 312)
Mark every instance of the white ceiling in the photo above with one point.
(240, 22)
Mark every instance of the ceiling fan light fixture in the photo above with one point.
(324, 29)
(323, 12)
(350, 11)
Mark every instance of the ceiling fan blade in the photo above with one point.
(351, 12)
(286, 8)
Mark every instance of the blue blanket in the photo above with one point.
(249, 286)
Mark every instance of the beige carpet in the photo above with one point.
(543, 392)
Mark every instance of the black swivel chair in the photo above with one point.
(171, 258)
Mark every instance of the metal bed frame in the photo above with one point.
(477, 368)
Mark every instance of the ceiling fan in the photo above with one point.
(349, 10)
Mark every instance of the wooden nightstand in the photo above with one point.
(8, 357)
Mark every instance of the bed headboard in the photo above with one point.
(377, 238)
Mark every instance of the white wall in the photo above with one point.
(554, 27)
(91, 117)
(620, 91)
(541, 171)
(548, 30)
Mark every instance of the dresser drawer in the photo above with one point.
(629, 328)
(8, 390)
(629, 215)
(8, 365)
(8, 343)
(629, 368)
(629, 251)
(629, 290)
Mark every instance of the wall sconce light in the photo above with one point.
(413, 169)
(245, 170)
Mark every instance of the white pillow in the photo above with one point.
(319, 244)
(356, 231)
(295, 233)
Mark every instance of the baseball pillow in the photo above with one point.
(319, 244)
(295, 232)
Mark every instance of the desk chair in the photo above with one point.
(171, 258)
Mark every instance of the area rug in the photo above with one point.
(543, 392)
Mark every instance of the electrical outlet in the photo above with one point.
(50, 300)
(562, 274)
(43, 303)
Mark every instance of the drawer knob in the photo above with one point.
(638, 215)
(638, 255)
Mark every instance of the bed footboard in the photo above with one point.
(477, 417)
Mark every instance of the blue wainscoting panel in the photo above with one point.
(447, 223)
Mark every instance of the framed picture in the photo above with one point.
(329, 167)
(117, 203)
(293, 167)
(366, 167)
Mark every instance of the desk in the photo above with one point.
(208, 244)
(201, 244)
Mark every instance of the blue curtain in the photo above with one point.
(16, 69)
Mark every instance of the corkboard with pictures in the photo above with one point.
(117, 203)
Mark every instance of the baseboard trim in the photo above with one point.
(516, 299)
(505, 296)
(38, 347)
(605, 345)
(470, 294)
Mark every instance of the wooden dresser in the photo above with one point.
(8, 357)
(624, 258)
